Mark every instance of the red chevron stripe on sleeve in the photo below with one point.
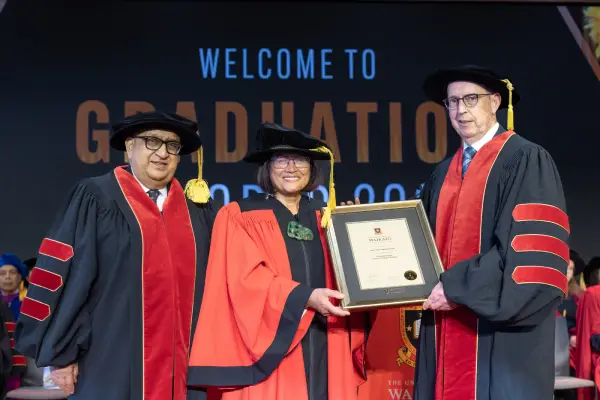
(46, 279)
(543, 243)
(541, 275)
(55, 249)
(542, 213)
(35, 309)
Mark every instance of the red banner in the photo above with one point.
(391, 355)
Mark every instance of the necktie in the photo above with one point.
(468, 155)
(153, 193)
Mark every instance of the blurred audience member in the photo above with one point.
(12, 282)
(565, 336)
(30, 263)
(12, 287)
(591, 273)
(568, 307)
(576, 283)
(33, 376)
(588, 331)
(6, 363)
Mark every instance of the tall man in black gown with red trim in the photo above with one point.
(498, 212)
(119, 276)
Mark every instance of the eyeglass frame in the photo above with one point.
(458, 99)
(290, 158)
(163, 142)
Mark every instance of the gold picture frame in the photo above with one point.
(359, 255)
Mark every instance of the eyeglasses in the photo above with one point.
(470, 100)
(154, 143)
(281, 162)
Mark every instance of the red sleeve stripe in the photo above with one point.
(19, 361)
(542, 213)
(35, 309)
(543, 243)
(542, 276)
(56, 249)
(46, 279)
(10, 326)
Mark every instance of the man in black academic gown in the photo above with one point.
(498, 213)
(6, 351)
(120, 275)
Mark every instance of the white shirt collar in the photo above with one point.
(486, 138)
(162, 191)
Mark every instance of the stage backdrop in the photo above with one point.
(348, 73)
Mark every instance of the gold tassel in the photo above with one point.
(510, 122)
(197, 189)
(582, 282)
(331, 202)
(22, 290)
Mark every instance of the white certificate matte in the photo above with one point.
(384, 255)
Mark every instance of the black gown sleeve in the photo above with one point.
(212, 209)
(54, 325)
(426, 193)
(522, 277)
(208, 212)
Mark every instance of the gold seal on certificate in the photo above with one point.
(384, 254)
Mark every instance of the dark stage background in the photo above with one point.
(67, 72)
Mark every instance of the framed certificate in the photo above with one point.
(383, 254)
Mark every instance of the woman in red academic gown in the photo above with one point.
(270, 326)
(588, 335)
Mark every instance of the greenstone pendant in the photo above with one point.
(299, 232)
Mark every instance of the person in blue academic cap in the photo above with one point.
(119, 277)
(13, 273)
